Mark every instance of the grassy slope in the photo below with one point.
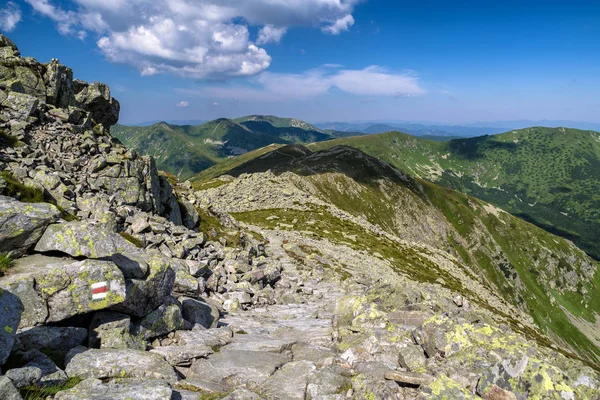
(525, 265)
(186, 150)
(548, 176)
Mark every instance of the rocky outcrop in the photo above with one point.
(22, 225)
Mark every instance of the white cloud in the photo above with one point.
(182, 104)
(193, 38)
(374, 80)
(340, 25)
(270, 34)
(10, 16)
(370, 81)
(216, 103)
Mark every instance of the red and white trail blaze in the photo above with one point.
(99, 290)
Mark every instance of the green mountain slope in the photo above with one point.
(538, 283)
(185, 150)
(548, 176)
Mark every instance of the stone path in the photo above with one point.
(281, 351)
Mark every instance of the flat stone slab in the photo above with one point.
(411, 378)
(237, 367)
(53, 289)
(182, 355)
(259, 343)
(94, 389)
(207, 337)
(120, 363)
(80, 238)
(289, 382)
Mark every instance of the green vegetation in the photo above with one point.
(542, 275)
(6, 261)
(18, 190)
(135, 241)
(547, 176)
(186, 150)
(7, 140)
(34, 392)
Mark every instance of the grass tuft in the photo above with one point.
(6, 261)
(18, 190)
(34, 392)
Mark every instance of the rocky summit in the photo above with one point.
(119, 282)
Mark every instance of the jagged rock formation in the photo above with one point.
(115, 292)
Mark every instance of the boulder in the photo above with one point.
(185, 284)
(22, 224)
(199, 312)
(133, 266)
(61, 288)
(95, 98)
(119, 363)
(182, 355)
(104, 321)
(56, 339)
(204, 337)
(290, 381)
(165, 319)
(238, 367)
(10, 317)
(124, 389)
(412, 358)
(189, 214)
(8, 391)
(50, 373)
(24, 376)
(79, 239)
(145, 295)
(24, 105)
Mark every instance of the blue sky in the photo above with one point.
(325, 60)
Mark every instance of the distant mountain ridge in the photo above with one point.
(185, 150)
(548, 176)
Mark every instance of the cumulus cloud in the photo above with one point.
(270, 34)
(10, 16)
(370, 81)
(182, 104)
(193, 38)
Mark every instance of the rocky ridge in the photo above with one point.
(115, 291)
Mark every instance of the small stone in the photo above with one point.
(410, 378)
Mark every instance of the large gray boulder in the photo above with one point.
(145, 295)
(119, 363)
(59, 85)
(199, 312)
(290, 381)
(83, 239)
(10, 316)
(95, 98)
(53, 289)
(165, 319)
(56, 339)
(124, 389)
(22, 224)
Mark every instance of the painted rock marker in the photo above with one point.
(99, 290)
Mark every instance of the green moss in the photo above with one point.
(135, 241)
(18, 190)
(7, 140)
(6, 261)
(34, 392)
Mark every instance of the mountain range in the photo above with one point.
(185, 150)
